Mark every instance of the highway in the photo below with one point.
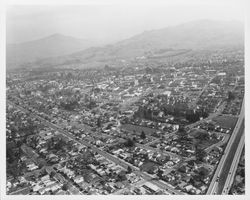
(110, 157)
(223, 169)
(234, 166)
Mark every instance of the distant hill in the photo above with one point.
(170, 41)
(51, 46)
(202, 34)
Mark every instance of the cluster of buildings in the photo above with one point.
(104, 131)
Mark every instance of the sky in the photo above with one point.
(109, 22)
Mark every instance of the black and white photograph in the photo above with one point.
(124, 99)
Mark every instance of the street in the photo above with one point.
(105, 154)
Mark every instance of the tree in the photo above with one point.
(33, 141)
(192, 116)
(191, 181)
(145, 156)
(122, 176)
(242, 172)
(214, 136)
(99, 122)
(162, 148)
(181, 129)
(52, 174)
(129, 143)
(182, 134)
(143, 136)
(41, 163)
(204, 113)
(203, 172)
(129, 170)
(231, 95)
(59, 144)
(200, 154)
(65, 187)
(159, 173)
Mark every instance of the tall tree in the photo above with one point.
(143, 135)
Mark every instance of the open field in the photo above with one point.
(138, 129)
(226, 121)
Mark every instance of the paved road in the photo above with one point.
(193, 104)
(20, 191)
(234, 166)
(218, 144)
(131, 186)
(211, 116)
(223, 168)
(105, 154)
(166, 136)
(228, 162)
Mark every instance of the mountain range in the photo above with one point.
(51, 46)
(191, 36)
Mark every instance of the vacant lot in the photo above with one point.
(207, 143)
(226, 121)
(138, 129)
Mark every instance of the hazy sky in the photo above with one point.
(108, 22)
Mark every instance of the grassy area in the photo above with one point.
(226, 121)
(21, 191)
(203, 144)
(202, 138)
(138, 129)
(148, 167)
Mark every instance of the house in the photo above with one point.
(175, 150)
(110, 189)
(45, 178)
(93, 167)
(68, 172)
(61, 192)
(55, 187)
(119, 185)
(32, 167)
(152, 187)
(37, 188)
(182, 184)
(101, 172)
(78, 179)
(49, 183)
(52, 157)
(59, 178)
(186, 178)
(84, 185)
(74, 191)
(203, 188)
(183, 169)
(188, 188)
(89, 177)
